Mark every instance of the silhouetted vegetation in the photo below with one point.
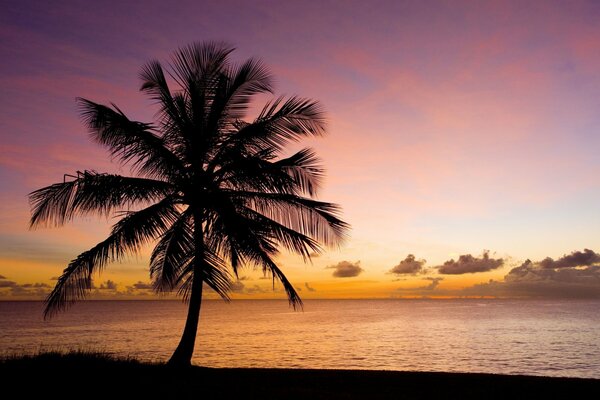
(125, 378)
(214, 192)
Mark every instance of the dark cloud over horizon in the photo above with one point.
(434, 283)
(7, 284)
(409, 265)
(239, 287)
(108, 285)
(11, 288)
(583, 258)
(139, 285)
(427, 288)
(467, 264)
(346, 269)
(572, 276)
(309, 288)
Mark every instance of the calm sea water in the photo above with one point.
(554, 338)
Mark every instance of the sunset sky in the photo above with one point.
(465, 134)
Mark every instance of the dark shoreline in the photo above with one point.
(91, 375)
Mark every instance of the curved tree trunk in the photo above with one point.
(184, 351)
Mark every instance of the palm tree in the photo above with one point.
(215, 193)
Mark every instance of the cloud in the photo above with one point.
(431, 286)
(467, 264)
(137, 289)
(568, 278)
(256, 289)
(434, 283)
(108, 285)
(2, 277)
(237, 286)
(408, 266)
(35, 285)
(26, 290)
(536, 272)
(309, 288)
(346, 269)
(583, 258)
(141, 286)
(4, 283)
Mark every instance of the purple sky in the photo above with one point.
(455, 127)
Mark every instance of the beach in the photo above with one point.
(76, 375)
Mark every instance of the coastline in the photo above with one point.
(497, 337)
(75, 375)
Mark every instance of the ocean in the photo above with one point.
(532, 337)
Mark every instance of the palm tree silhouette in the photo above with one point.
(212, 191)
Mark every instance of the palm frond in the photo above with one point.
(214, 274)
(228, 232)
(291, 239)
(199, 64)
(236, 89)
(299, 174)
(198, 69)
(130, 141)
(127, 236)
(172, 262)
(305, 169)
(270, 266)
(284, 121)
(92, 192)
(313, 218)
(179, 134)
(155, 84)
(173, 252)
(258, 250)
(256, 173)
(254, 241)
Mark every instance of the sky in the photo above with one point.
(462, 136)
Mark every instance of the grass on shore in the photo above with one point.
(95, 375)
